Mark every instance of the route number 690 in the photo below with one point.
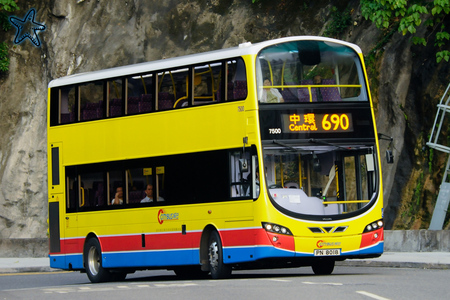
(335, 121)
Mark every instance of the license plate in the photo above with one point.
(327, 252)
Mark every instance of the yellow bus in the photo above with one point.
(260, 156)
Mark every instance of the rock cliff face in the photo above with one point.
(92, 35)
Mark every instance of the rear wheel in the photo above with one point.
(218, 269)
(323, 267)
(93, 262)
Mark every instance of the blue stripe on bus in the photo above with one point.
(63, 261)
(374, 249)
(247, 254)
(151, 258)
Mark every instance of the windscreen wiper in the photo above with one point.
(321, 142)
(285, 146)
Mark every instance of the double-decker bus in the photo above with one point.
(260, 156)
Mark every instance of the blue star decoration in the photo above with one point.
(27, 28)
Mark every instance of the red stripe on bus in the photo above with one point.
(165, 241)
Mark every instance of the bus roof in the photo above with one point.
(192, 59)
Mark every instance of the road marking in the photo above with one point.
(34, 273)
(175, 284)
(279, 280)
(373, 296)
(62, 290)
(323, 283)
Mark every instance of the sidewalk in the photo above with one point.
(422, 260)
(22, 265)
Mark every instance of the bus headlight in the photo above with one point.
(374, 226)
(275, 228)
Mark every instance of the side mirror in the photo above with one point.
(389, 156)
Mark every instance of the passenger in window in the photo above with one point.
(270, 95)
(118, 198)
(200, 86)
(149, 193)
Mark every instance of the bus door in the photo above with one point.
(74, 196)
(356, 186)
(57, 205)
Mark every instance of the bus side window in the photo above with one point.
(116, 188)
(114, 98)
(92, 190)
(91, 101)
(173, 89)
(137, 184)
(241, 176)
(67, 105)
(72, 190)
(160, 183)
(207, 82)
(140, 97)
(238, 79)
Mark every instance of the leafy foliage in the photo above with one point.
(408, 16)
(5, 6)
(4, 60)
(339, 22)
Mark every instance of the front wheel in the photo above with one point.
(218, 269)
(323, 267)
(93, 262)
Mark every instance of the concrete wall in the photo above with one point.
(417, 240)
(23, 247)
(395, 241)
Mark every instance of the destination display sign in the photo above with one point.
(350, 121)
(317, 123)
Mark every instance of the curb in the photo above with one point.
(18, 270)
(393, 264)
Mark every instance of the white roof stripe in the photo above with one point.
(243, 49)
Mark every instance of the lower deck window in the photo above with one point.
(179, 179)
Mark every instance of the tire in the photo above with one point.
(218, 269)
(93, 262)
(323, 267)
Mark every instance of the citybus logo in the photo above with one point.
(162, 216)
(321, 244)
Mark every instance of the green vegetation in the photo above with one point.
(405, 16)
(408, 16)
(430, 160)
(6, 6)
(4, 60)
(339, 22)
(417, 194)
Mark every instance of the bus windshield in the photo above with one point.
(320, 179)
(309, 71)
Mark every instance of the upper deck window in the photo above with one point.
(172, 88)
(310, 71)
